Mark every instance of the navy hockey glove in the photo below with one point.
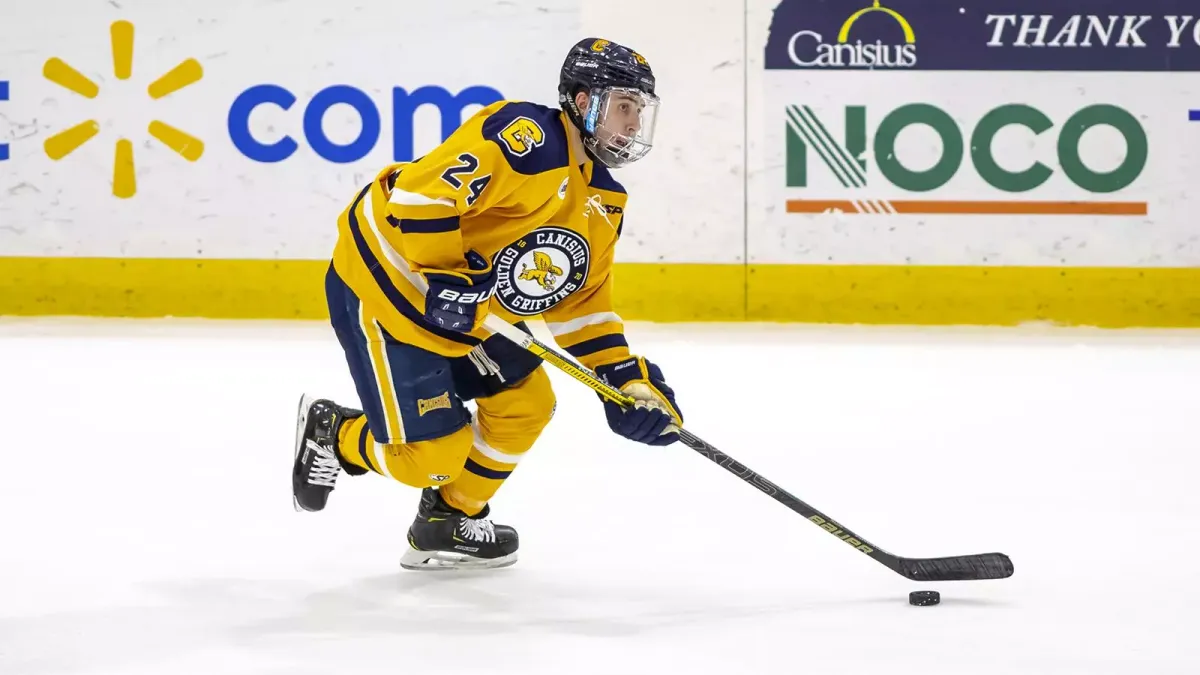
(454, 298)
(655, 419)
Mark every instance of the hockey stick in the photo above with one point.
(954, 568)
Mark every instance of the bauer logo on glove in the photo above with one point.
(466, 298)
(454, 298)
(655, 418)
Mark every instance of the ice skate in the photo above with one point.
(316, 465)
(444, 538)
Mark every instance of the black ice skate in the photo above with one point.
(316, 465)
(442, 537)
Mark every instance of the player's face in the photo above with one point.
(622, 123)
(624, 118)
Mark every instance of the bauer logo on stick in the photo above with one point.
(539, 270)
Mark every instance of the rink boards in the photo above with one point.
(914, 162)
(289, 289)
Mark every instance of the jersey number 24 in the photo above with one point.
(467, 165)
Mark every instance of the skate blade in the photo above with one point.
(301, 422)
(445, 561)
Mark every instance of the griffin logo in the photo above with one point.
(544, 271)
(539, 270)
(426, 405)
(521, 136)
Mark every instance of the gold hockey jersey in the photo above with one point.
(507, 184)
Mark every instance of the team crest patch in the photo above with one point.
(539, 270)
(521, 136)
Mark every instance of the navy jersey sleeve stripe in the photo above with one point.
(424, 226)
(597, 344)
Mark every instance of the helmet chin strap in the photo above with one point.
(591, 142)
(586, 126)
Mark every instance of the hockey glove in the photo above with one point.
(454, 298)
(655, 419)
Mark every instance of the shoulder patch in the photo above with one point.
(530, 137)
(602, 179)
(521, 136)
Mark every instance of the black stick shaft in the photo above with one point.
(978, 566)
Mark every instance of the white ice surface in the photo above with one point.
(146, 525)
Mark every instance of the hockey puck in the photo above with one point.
(924, 598)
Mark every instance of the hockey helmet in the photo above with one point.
(617, 123)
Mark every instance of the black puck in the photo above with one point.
(924, 598)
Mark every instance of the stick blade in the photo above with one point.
(958, 568)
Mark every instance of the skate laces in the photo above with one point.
(477, 530)
(325, 466)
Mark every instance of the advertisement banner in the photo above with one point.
(914, 132)
(998, 35)
(221, 129)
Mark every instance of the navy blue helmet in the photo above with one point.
(617, 120)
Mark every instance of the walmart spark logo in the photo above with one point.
(65, 142)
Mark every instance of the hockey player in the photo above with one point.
(517, 214)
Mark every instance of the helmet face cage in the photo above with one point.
(618, 124)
